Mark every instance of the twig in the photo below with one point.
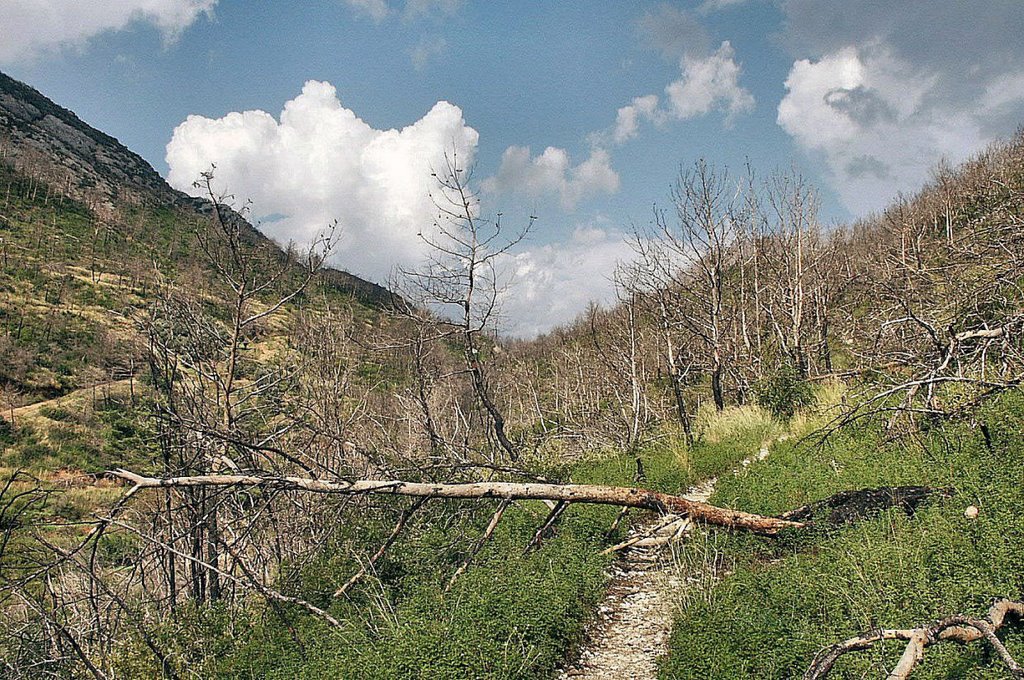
(553, 516)
(402, 520)
(491, 526)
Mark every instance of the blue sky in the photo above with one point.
(862, 96)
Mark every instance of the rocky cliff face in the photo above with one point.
(52, 143)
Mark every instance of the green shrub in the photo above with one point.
(58, 413)
(8, 433)
(783, 392)
(118, 548)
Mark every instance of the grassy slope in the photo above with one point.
(788, 598)
(70, 285)
(508, 617)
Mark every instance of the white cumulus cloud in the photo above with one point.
(552, 173)
(627, 119)
(707, 83)
(882, 123)
(882, 90)
(554, 283)
(30, 28)
(319, 162)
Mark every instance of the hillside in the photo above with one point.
(46, 143)
(85, 221)
(222, 459)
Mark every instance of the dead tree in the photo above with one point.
(642, 281)
(616, 338)
(787, 241)
(942, 272)
(689, 256)
(460, 283)
(212, 418)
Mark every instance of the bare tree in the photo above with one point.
(218, 405)
(688, 257)
(461, 282)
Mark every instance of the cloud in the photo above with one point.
(881, 123)
(709, 6)
(379, 10)
(554, 283)
(319, 162)
(551, 173)
(426, 49)
(31, 28)
(1004, 92)
(673, 31)
(708, 84)
(954, 38)
(627, 119)
(883, 90)
(709, 80)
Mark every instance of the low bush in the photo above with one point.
(783, 392)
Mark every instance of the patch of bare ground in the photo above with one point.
(634, 621)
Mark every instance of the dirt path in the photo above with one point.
(109, 388)
(633, 624)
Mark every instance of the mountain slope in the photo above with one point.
(46, 142)
(83, 160)
(91, 239)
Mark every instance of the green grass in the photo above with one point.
(90, 438)
(787, 598)
(508, 616)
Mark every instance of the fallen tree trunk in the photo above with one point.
(631, 497)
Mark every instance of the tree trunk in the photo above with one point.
(716, 386)
(576, 493)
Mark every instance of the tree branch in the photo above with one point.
(956, 628)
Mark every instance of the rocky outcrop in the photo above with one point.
(50, 142)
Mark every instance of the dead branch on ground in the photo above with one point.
(957, 628)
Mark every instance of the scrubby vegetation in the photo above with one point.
(511, 616)
(779, 602)
(148, 331)
(399, 623)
